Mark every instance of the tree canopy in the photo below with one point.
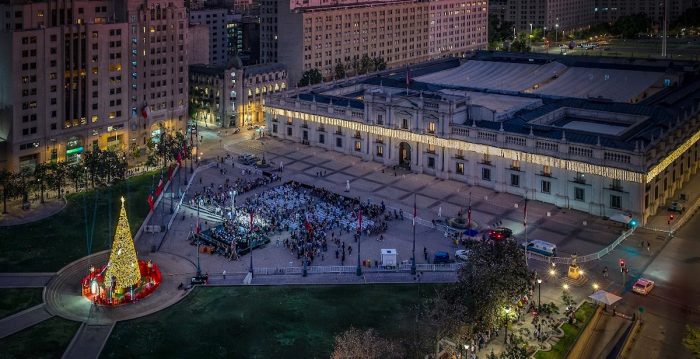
(311, 77)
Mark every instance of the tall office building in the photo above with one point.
(217, 20)
(554, 15)
(77, 75)
(64, 80)
(158, 66)
(307, 34)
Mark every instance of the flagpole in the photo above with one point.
(199, 270)
(413, 262)
(359, 239)
(525, 225)
(250, 235)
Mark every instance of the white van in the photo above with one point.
(541, 247)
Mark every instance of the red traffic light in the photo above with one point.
(622, 262)
(670, 217)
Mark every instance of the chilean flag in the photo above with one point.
(150, 201)
(145, 112)
(159, 188)
(307, 224)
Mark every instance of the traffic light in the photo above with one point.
(622, 265)
(670, 218)
(633, 223)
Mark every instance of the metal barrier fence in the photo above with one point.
(582, 259)
(402, 268)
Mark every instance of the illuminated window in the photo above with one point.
(547, 171)
(94, 118)
(515, 165)
(112, 115)
(431, 127)
(358, 146)
(459, 168)
(380, 151)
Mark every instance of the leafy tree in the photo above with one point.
(339, 71)
(167, 148)
(689, 18)
(356, 344)
(499, 31)
(310, 77)
(495, 277)
(515, 349)
(22, 183)
(365, 64)
(6, 182)
(379, 64)
(41, 175)
(692, 340)
(57, 176)
(76, 173)
(631, 26)
(442, 316)
(519, 45)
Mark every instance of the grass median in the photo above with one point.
(267, 322)
(571, 333)
(49, 244)
(48, 339)
(18, 299)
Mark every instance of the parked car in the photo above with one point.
(643, 286)
(441, 257)
(498, 234)
(541, 247)
(677, 206)
(462, 254)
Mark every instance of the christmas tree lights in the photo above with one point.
(123, 265)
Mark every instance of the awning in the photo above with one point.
(622, 218)
(604, 297)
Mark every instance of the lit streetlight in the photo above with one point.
(565, 286)
(505, 340)
(539, 293)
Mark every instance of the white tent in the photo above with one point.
(622, 218)
(604, 297)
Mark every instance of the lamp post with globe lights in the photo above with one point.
(539, 294)
(507, 310)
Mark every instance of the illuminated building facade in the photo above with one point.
(232, 96)
(84, 74)
(304, 35)
(621, 140)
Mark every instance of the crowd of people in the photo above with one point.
(215, 199)
(314, 218)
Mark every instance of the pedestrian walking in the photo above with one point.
(605, 272)
(224, 274)
(648, 247)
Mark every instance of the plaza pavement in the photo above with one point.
(563, 227)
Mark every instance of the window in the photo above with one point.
(546, 187)
(338, 142)
(615, 201)
(380, 151)
(580, 178)
(431, 127)
(380, 119)
(459, 168)
(486, 174)
(431, 162)
(289, 131)
(515, 165)
(616, 185)
(579, 194)
(514, 180)
(404, 124)
(547, 171)
(358, 146)
(321, 138)
(431, 148)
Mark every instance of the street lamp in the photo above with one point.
(505, 340)
(556, 34)
(565, 286)
(539, 293)
(595, 287)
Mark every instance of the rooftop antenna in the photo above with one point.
(563, 136)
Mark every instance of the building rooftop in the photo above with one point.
(614, 102)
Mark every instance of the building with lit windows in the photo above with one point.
(231, 96)
(597, 135)
(321, 34)
(158, 64)
(64, 80)
(217, 21)
(84, 74)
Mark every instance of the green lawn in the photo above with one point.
(50, 244)
(47, 339)
(16, 300)
(571, 333)
(267, 322)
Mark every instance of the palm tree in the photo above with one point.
(58, 172)
(22, 183)
(6, 181)
(41, 174)
(76, 173)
